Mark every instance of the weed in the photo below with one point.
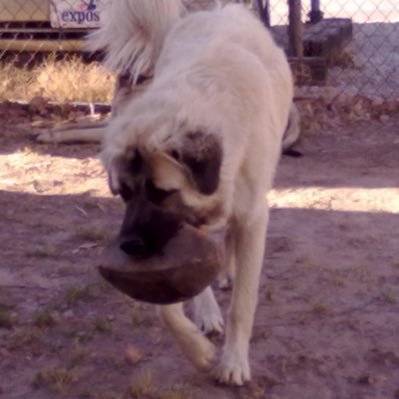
(320, 308)
(253, 391)
(175, 393)
(24, 339)
(339, 281)
(92, 233)
(143, 386)
(5, 302)
(7, 319)
(57, 378)
(389, 297)
(352, 323)
(76, 294)
(42, 251)
(45, 318)
(78, 356)
(101, 325)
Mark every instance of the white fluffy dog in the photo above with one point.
(209, 128)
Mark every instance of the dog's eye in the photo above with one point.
(155, 194)
(125, 192)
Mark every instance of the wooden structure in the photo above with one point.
(312, 45)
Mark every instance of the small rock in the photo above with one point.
(133, 355)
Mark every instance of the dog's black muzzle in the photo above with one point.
(146, 229)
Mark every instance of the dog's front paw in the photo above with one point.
(201, 353)
(207, 314)
(233, 369)
(209, 322)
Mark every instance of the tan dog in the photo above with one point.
(200, 143)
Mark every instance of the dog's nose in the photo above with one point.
(133, 246)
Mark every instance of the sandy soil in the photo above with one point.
(327, 325)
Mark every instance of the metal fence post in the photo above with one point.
(295, 46)
(315, 15)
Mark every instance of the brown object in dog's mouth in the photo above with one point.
(190, 262)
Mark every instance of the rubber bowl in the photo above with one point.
(190, 262)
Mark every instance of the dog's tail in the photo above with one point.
(133, 32)
(292, 132)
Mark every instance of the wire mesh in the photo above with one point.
(40, 38)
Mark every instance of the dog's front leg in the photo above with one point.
(193, 343)
(250, 241)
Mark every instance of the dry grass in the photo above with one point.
(57, 378)
(44, 319)
(176, 393)
(26, 339)
(83, 293)
(320, 308)
(61, 81)
(78, 356)
(142, 386)
(389, 297)
(7, 320)
(92, 233)
(101, 326)
(42, 251)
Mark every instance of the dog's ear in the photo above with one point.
(202, 154)
(167, 172)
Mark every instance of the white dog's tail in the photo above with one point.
(292, 131)
(133, 32)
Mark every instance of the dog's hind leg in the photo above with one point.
(250, 241)
(193, 343)
(207, 314)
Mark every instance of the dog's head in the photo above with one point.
(167, 175)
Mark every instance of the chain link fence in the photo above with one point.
(41, 44)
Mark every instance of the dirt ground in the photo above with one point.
(327, 324)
